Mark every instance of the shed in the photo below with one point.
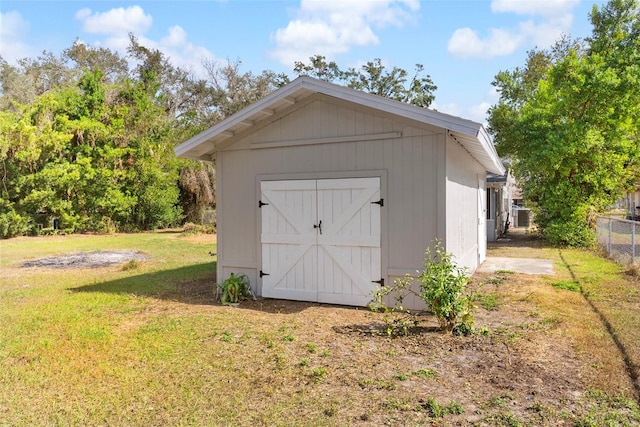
(324, 192)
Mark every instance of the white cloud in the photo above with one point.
(478, 112)
(13, 30)
(546, 33)
(330, 28)
(450, 108)
(554, 19)
(466, 43)
(118, 23)
(115, 21)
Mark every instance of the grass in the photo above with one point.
(148, 345)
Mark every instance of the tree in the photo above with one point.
(570, 121)
(374, 77)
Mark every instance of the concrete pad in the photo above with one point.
(519, 265)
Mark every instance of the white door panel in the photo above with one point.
(288, 239)
(321, 239)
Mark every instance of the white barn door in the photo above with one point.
(288, 239)
(321, 239)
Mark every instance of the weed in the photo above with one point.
(378, 384)
(436, 410)
(398, 404)
(496, 401)
(484, 331)
(487, 301)
(504, 419)
(303, 362)
(505, 272)
(311, 347)
(332, 410)
(289, 337)
(226, 337)
(385, 385)
(365, 383)
(131, 265)
(568, 285)
(425, 373)
(319, 374)
(401, 377)
(325, 353)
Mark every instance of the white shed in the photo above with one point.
(323, 191)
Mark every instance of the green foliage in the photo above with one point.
(570, 120)
(487, 301)
(437, 410)
(373, 77)
(234, 289)
(568, 285)
(12, 224)
(426, 373)
(442, 286)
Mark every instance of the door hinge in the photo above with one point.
(379, 202)
(262, 274)
(379, 282)
(261, 203)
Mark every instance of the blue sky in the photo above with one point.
(462, 44)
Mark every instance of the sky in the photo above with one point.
(462, 44)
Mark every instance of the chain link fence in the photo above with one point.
(619, 238)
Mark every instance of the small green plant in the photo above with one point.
(311, 347)
(325, 353)
(319, 374)
(436, 410)
(234, 288)
(399, 404)
(442, 286)
(226, 337)
(304, 362)
(401, 377)
(425, 373)
(568, 285)
(487, 301)
(289, 337)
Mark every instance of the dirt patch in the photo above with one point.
(86, 260)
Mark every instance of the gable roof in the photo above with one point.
(471, 135)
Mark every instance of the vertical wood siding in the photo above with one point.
(417, 209)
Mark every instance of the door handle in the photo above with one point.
(319, 226)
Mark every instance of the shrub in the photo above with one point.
(442, 286)
(234, 288)
(12, 224)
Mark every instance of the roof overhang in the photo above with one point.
(469, 134)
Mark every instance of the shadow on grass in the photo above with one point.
(193, 284)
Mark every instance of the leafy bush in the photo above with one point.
(12, 224)
(234, 289)
(442, 286)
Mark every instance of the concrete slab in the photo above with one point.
(519, 265)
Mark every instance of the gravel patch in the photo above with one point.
(86, 260)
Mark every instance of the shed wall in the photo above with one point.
(412, 168)
(464, 206)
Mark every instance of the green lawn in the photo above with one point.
(149, 345)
